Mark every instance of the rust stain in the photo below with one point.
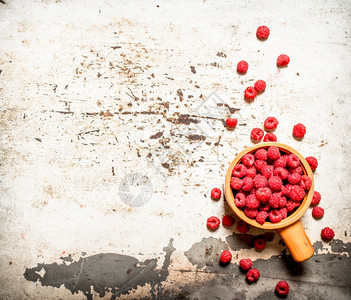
(180, 95)
(196, 137)
(156, 135)
(192, 69)
(221, 54)
(106, 114)
(184, 119)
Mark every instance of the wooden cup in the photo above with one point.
(290, 229)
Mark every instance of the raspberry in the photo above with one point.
(251, 172)
(280, 162)
(294, 178)
(271, 123)
(243, 227)
(273, 152)
(261, 217)
(299, 131)
(261, 154)
(312, 161)
(227, 221)
(283, 212)
(282, 202)
(239, 200)
(282, 288)
(259, 244)
(275, 216)
(275, 183)
(260, 181)
(247, 184)
(283, 60)
(282, 173)
(252, 202)
(250, 213)
(305, 182)
(317, 212)
(239, 170)
(213, 222)
(327, 233)
(267, 171)
(264, 207)
(242, 67)
(262, 32)
(293, 161)
(257, 134)
(296, 170)
(231, 123)
(245, 264)
(216, 193)
(252, 275)
(260, 164)
(236, 183)
(286, 190)
(260, 86)
(274, 200)
(316, 198)
(270, 137)
(226, 257)
(297, 193)
(250, 93)
(291, 205)
(248, 160)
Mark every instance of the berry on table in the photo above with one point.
(257, 134)
(243, 227)
(271, 123)
(226, 257)
(282, 288)
(245, 264)
(260, 86)
(317, 212)
(327, 233)
(213, 222)
(216, 193)
(250, 93)
(242, 67)
(259, 244)
(316, 198)
(270, 137)
(299, 131)
(312, 161)
(283, 60)
(262, 32)
(231, 123)
(252, 275)
(227, 220)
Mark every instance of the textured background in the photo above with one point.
(92, 91)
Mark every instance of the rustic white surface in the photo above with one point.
(72, 128)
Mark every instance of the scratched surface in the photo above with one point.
(93, 92)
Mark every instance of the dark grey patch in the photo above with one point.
(196, 137)
(156, 135)
(192, 69)
(339, 246)
(318, 246)
(221, 54)
(67, 258)
(246, 241)
(84, 253)
(104, 272)
(184, 119)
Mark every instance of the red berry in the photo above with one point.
(242, 67)
(283, 212)
(282, 202)
(274, 200)
(226, 257)
(248, 160)
(316, 198)
(282, 288)
(216, 193)
(247, 184)
(213, 222)
(270, 137)
(260, 164)
(275, 216)
(271, 123)
(291, 205)
(245, 264)
(263, 194)
(305, 182)
(267, 171)
(299, 131)
(297, 193)
(260, 86)
(296, 170)
(280, 162)
(239, 170)
(243, 227)
(250, 93)
(252, 275)
(294, 178)
(250, 213)
(240, 200)
(261, 217)
(286, 190)
(260, 181)
(282, 173)
(327, 233)
(227, 221)
(275, 183)
(262, 32)
(312, 161)
(317, 212)
(283, 60)
(236, 183)
(293, 161)
(261, 154)
(259, 244)
(231, 123)
(273, 152)
(264, 206)
(252, 202)
(257, 134)
(251, 172)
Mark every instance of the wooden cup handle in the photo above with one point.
(297, 241)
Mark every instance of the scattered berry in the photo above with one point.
(236, 183)
(259, 244)
(243, 227)
(247, 184)
(252, 275)
(260, 86)
(216, 193)
(251, 213)
(299, 131)
(294, 178)
(327, 233)
(252, 202)
(316, 198)
(273, 152)
(257, 134)
(261, 217)
(263, 194)
(317, 212)
(297, 193)
(261, 154)
(250, 93)
(275, 216)
(248, 160)
(270, 137)
(267, 171)
(242, 67)
(251, 172)
(213, 222)
(227, 221)
(245, 264)
(282, 173)
(271, 123)
(282, 288)
(240, 200)
(312, 161)
(260, 164)
(260, 181)
(305, 182)
(226, 257)
(262, 32)
(275, 183)
(283, 60)
(231, 123)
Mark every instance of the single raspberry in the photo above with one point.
(260, 181)
(216, 193)
(280, 162)
(312, 161)
(275, 183)
(267, 171)
(231, 123)
(270, 137)
(275, 216)
(316, 198)
(226, 257)
(282, 202)
(294, 178)
(252, 202)
(261, 154)
(282, 173)
(239, 170)
(282, 288)
(273, 152)
(259, 244)
(317, 212)
(257, 134)
(260, 86)
(250, 213)
(283, 60)
(291, 205)
(286, 190)
(227, 221)
(271, 123)
(239, 200)
(248, 160)
(274, 200)
(327, 233)
(243, 227)
(305, 182)
(293, 161)
(252, 275)
(262, 32)
(247, 184)
(245, 264)
(299, 131)
(236, 183)
(213, 222)
(296, 170)
(264, 206)
(283, 212)
(250, 93)
(297, 193)
(251, 172)
(261, 217)
(242, 67)
(260, 164)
